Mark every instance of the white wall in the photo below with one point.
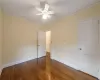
(20, 40)
(1, 38)
(64, 43)
(88, 42)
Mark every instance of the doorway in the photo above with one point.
(43, 43)
(43, 52)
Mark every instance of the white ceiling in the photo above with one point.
(27, 9)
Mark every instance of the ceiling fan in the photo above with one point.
(45, 12)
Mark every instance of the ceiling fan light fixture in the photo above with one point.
(45, 13)
(45, 16)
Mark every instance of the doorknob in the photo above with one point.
(80, 48)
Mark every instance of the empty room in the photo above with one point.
(49, 39)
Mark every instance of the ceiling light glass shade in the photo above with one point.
(46, 16)
(45, 12)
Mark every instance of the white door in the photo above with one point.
(41, 44)
(88, 46)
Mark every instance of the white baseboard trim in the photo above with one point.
(74, 67)
(14, 63)
(17, 62)
(67, 63)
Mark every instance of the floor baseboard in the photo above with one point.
(18, 62)
(88, 74)
(74, 67)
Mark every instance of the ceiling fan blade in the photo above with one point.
(50, 12)
(39, 9)
(47, 7)
(39, 14)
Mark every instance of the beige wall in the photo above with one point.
(65, 31)
(65, 35)
(20, 37)
(20, 40)
(1, 36)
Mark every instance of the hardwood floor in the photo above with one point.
(48, 66)
(31, 71)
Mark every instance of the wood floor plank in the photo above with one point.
(30, 70)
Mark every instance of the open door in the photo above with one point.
(44, 60)
(44, 43)
(41, 51)
(41, 44)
